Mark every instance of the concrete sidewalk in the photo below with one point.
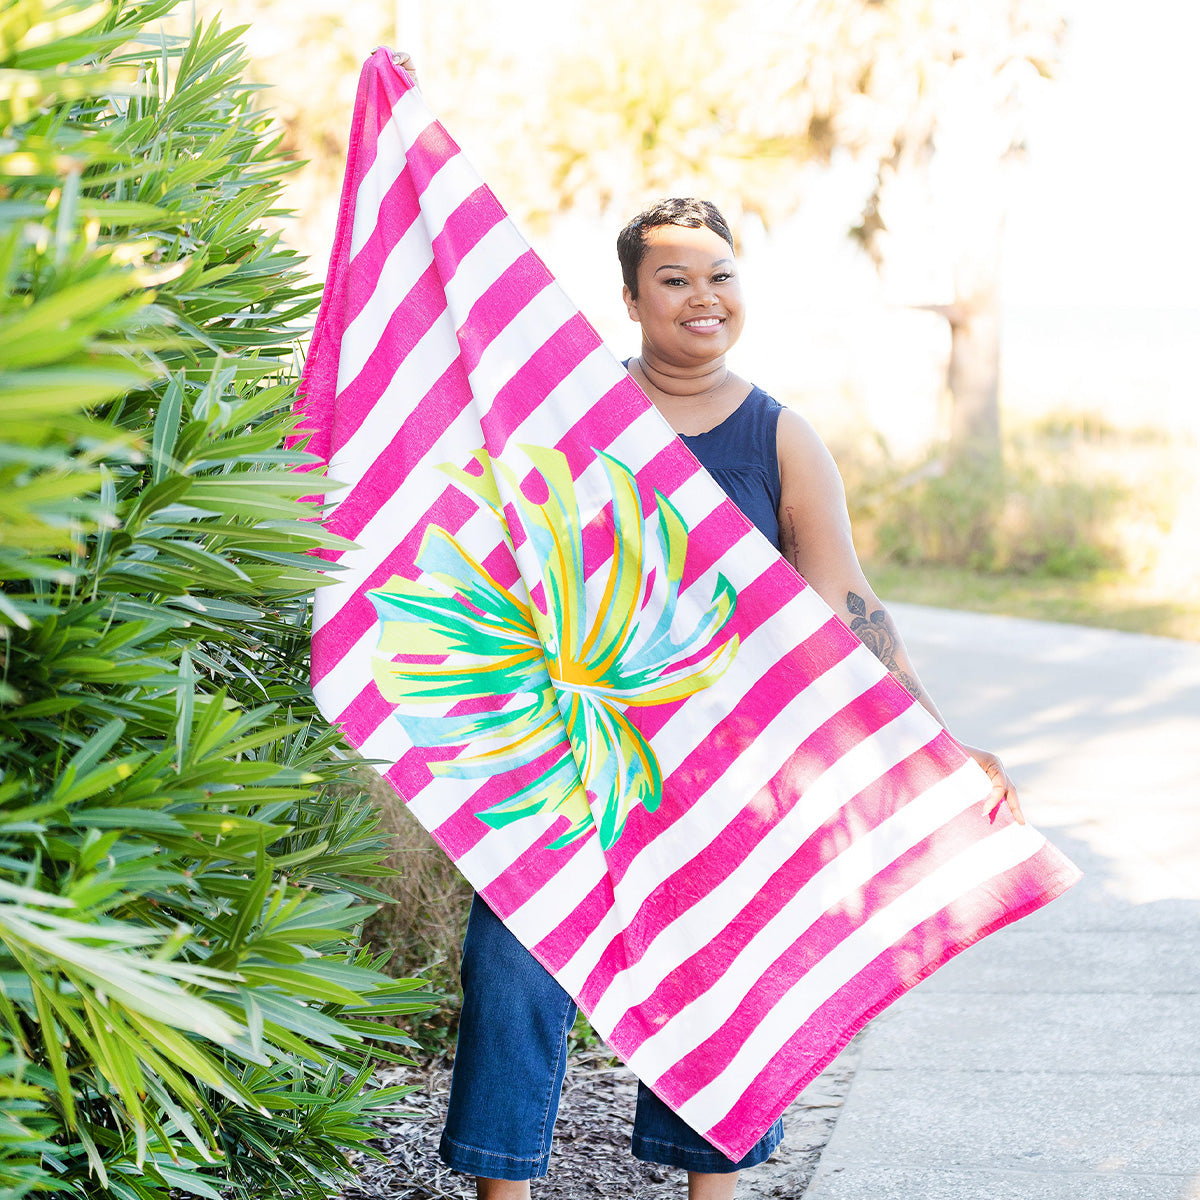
(1060, 1058)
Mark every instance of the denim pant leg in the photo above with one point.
(660, 1136)
(511, 1057)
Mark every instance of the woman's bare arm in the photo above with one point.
(815, 537)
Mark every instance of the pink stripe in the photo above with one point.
(429, 154)
(861, 813)
(433, 413)
(696, 1069)
(495, 309)
(361, 718)
(342, 630)
(476, 216)
(604, 421)
(544, 370)
(387, 86)
(999, 901)
(406, 327)
(854, 724)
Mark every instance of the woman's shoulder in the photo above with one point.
(801, 449)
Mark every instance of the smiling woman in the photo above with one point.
(681, 286)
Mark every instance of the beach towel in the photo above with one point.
(674, 774)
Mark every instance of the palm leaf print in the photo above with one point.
(477, 667)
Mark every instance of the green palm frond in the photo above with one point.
(184, 1008)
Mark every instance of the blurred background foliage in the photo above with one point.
(921, 110)
(185, 1004)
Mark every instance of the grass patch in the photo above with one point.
(1106, 600)
(1088, 524)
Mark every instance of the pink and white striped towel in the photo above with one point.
(676, 776)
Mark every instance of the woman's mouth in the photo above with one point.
(703, 324)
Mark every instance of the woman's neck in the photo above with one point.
(705, 382)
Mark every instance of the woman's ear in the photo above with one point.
(630, 304)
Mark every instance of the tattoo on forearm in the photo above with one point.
(876, 633)
(794, 548)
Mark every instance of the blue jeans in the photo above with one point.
(509, 1067)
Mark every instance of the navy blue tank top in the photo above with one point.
(740, 455)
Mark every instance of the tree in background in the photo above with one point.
(959, 78)
(737, 102)
(184, 1005)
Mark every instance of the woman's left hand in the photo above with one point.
(1003, 788)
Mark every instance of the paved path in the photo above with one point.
(1060, 1058)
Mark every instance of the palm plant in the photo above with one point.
(184, 1003)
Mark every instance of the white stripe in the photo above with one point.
(674, 944)
(408, 260)
(528, 331)
(411, 113)
(829, 887)
(481, 267)
(969, 870)
(454, 181)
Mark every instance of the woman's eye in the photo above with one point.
(680, 282)
(722, 277)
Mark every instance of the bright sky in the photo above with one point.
(1101, 221)
(1105, 211)
(1102, 212)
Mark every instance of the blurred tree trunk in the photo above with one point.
(973, 378)
(973, 373)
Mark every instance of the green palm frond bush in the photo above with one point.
(185, 1007)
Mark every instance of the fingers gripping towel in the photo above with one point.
(673, 773)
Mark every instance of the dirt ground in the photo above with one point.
(591, 1145)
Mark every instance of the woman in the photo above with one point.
(681, 286)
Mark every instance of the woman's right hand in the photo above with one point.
(404, 60)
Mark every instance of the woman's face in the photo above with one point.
(689, 301)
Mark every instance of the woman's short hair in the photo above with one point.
(677, 210)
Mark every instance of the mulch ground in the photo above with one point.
(591, 1140)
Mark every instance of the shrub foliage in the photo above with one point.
(183, 1001)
